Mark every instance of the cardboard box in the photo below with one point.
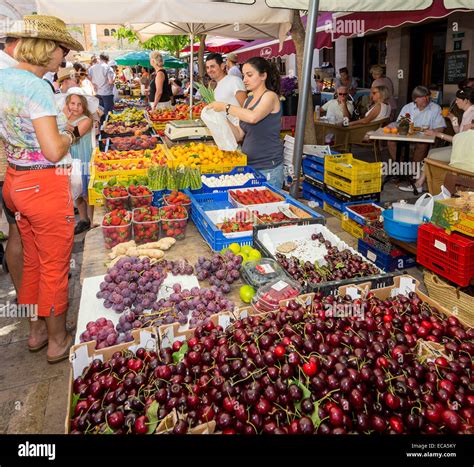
(81, 356)
(453, 215)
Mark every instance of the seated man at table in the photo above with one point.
(423, 113)
(339, 107)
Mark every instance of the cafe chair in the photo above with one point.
(440, 173)
(357, 136)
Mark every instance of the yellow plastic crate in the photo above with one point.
(352, 227)
(353, 187)
(352, 176)
(94, 197)
(239, 160)
(122, 174)
(333, 211)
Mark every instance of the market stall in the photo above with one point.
(197, 259)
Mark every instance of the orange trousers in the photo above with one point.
(44, 211)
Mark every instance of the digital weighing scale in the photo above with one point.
(185, 130)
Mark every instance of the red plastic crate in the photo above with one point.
(450, 256)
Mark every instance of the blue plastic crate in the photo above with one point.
(310, 197)
(357, 217)
(312, 170)
(315, 160)
(312, 192)
(216, 201)
(257, 181)
(384, 260)
(338, 204)
(158, 197)
(213, 236)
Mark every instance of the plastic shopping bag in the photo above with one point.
(76, 179)
(220, 130)
(426, 202)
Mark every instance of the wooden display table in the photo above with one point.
(190, 248)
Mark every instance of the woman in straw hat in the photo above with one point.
(37, 183)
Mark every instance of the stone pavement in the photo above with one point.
(33, 393)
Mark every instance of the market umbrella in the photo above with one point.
(192, 17)
(142, 58)
(220, 45)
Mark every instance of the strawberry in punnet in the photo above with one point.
(146, 224)
(116, 197)
(253, 196)
(273, 218)
(140, 196)
(179, 198)
(174, 219)
(116, 227)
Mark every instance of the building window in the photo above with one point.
(106, 32)
(112, 32)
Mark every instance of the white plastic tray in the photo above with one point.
(271, 238)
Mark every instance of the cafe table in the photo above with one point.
(403, 149)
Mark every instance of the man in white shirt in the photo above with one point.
(229, 89)
(103, 77)
(423, 113)
(339, 107)
(14, 249)
(232, 65)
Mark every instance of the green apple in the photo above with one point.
(246, 293)
(246, 249)
(254, 255)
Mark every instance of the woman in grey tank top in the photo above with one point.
(260, 119)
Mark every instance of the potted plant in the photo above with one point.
(289, 96)
(404, 124)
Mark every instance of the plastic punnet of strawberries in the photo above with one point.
(116, 227)
(174, 219)
(178, 198)
(146, 224)
(116, 197)
(140, 196)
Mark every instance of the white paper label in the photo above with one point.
(224, 320)
(440, 245)
(279, 286)
(371, 255)
(353, 292)
(407, 285)
(264, 269)
(167, 338)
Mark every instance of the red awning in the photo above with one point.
(270, 49)
(348, 25)
(358, 24)
(220, 45)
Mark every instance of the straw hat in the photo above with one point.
(92, 102)
(232, 57)
(67, 73)
(44, 27)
